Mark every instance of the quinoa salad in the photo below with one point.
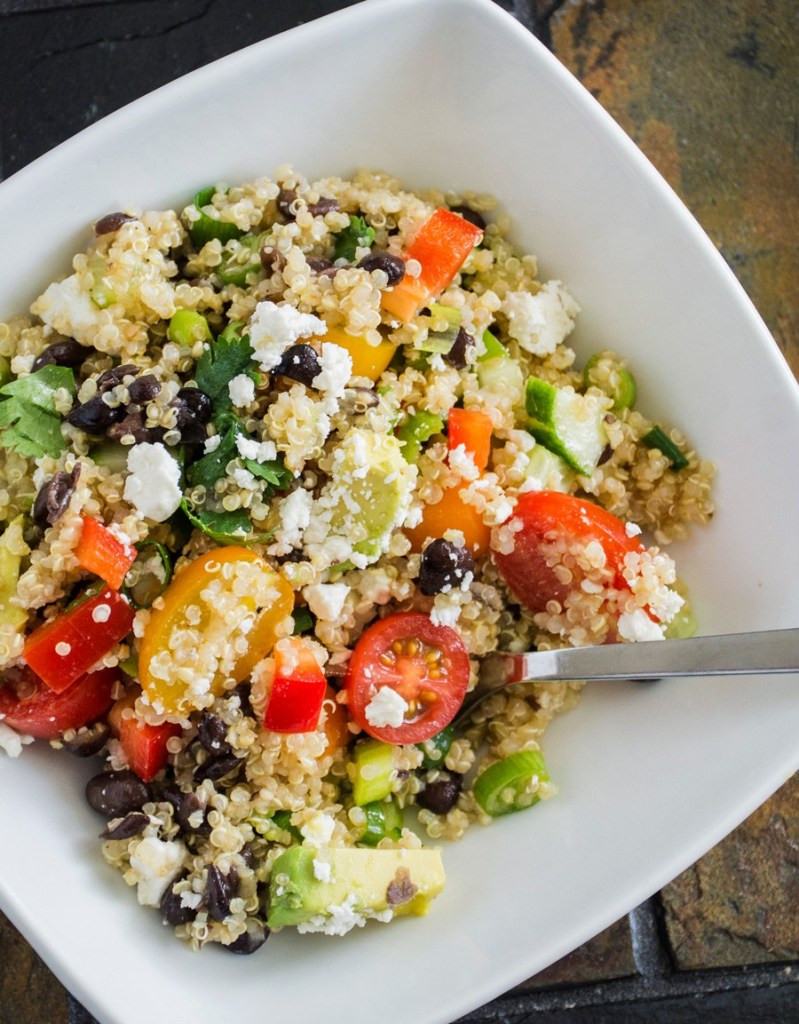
(276, 469)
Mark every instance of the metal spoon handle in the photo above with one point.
(732, 654)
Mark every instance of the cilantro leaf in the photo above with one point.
(224, 359)
(212, 467)
(224, 527)
(31, 425)
(274, 472)
(347, 241)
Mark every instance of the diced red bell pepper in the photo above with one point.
(298, 688)
(66, 647)
(472, 429)
(34, 709)
(100, 552)
(145, 746)
(441, 247)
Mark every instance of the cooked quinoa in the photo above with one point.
(234, 377)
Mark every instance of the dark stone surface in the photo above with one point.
(608, 955)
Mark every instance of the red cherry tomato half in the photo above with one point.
(298, 688)
(33, 708)
(427, 665)
(551, 515)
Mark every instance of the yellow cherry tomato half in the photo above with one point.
(221, 614)
(367, 360)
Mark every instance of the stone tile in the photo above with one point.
(738, 904)
(708, 91)
(608, 955)
(29, 994)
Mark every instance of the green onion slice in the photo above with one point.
(658, 438)
(511, 784)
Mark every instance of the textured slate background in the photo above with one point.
(708, 89)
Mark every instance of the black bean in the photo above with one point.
(242, 691)
(186, 806)
(94, 416)
(248, 942)
(392, 266)
(248, 854)
(212, 733)
(607, 453)
(218, 767)
(284, 201)
(89, 740)
(457, 354)
(220, 890)
(326, 204)
(443, 564)
(111, 222)
(144, 389)
(53, 498)
(133, 424)
(300, 362)
(319, 263)
(109, 379)
(440, 796)
(115, 794)
(173, 911)
(471, 215)
(131, 825)
(193, 405)
(272, 259)
(61, 353)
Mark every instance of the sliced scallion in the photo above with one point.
(373, 764)
(658, 438)
(208, 227)
(511, 784)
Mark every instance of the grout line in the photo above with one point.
(650, 947)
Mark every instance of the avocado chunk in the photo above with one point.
(12, 550)
(367, 497)
(568, 424)
(331, 890)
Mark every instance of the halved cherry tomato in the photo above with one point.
(66, 647)
(441, 246)
(335, 723)
(451, 513)
(297, 690)
(144, 745)
(367, 360)
(472, 429)
(34, 709)
(100, 552)
(188, 604)
(549, 515)
(427, 665)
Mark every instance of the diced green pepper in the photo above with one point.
(494, 349)
(373, 764)
(511, 784)
(383, 820)
(187, 327)
(658, 438)
(415, 431)
(437, 747)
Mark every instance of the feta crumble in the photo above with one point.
(154, 864)
(212, 443)
(387, 707)
(294, 515)
(153, 482)
(335, 372)
(258, 451)
(318, 829)
(632, 529)
(540, 322)
(11, 741)
(322, 871)
(636, 626)
(338, 920)
(241, 390)
(67, 308)
(326, 600)
(275, 328)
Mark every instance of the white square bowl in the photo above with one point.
(451, 93)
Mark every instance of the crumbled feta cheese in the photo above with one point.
(337, 920)
(243, 478)
(462, 463)
(632, 529)
(275, 328)
(241, 390)
(190, 899)
(540, 322)
(154, 864)
(322, 870)
(68, 309)
(153, 482)
(326, 600)
(387, 707)
(294, 515)
(11, 741)
(318, 830)
(258, 451)
(212, 443)
(637, 626)
(335, 372)
(446, 610)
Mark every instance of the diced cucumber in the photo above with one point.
(383, 820)
(567, 423)
(373, 764)
(609, 374)
(503, 376)
(549, 472)
(111, 454)
(494, 349)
